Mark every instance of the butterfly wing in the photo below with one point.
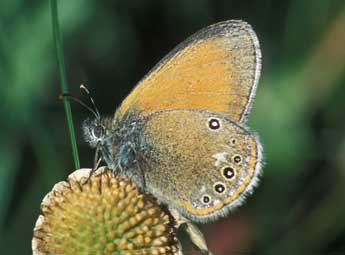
(216, 69)
(199, 162)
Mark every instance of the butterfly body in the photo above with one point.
(181, 133)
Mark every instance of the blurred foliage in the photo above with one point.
(109, 45)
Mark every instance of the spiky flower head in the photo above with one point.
(107, 214)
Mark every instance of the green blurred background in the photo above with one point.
(299, 110)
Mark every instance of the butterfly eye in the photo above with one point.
(219, 187)
(214, 124)
(206, 199)
(237, 159)
(98, 131)
(228, 172)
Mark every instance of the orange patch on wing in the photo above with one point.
(203, 75)
(251, 166)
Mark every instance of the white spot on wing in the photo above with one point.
(203, 189)
(220, 158)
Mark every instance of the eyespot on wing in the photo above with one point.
(186, 158)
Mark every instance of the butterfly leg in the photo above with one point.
(192, 230)
(141, 162)
(141, 177)
(96, 162)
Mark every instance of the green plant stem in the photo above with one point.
(63, 82)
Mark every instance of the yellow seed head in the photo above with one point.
(107, 214)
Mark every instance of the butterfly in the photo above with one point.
(181, 134)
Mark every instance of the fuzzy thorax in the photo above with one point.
(118, 143)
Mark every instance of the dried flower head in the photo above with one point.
(106, 215)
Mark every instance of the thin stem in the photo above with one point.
(63, 82)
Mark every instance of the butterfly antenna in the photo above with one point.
(83, 87)
(72, 98)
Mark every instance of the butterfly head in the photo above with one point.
(96, 131)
